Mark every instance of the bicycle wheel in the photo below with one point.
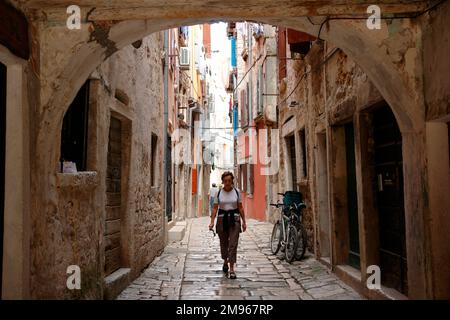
(291, 244)
(301, 241)
(275, 239)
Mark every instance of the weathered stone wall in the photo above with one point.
(61, 61)
(339, 91)
(76, 233)
(135, 77)
(138, 73)
(327, 94)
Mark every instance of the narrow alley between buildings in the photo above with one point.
(122, 121)
(191, 269)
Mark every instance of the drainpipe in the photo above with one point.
(250, 75)
(166, 119)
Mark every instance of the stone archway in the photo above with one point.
(389, 57)
(371, 53)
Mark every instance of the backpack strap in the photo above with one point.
(218, 194)
(237, 194)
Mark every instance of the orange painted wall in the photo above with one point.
(255, 206)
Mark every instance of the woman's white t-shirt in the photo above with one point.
(228, 199)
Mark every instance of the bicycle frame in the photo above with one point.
(285, 220)
(291, 219)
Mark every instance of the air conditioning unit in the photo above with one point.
(184, 57)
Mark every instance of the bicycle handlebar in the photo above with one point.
(277, 205)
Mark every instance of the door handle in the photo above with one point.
(380, 182)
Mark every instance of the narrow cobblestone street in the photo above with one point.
(191, 269)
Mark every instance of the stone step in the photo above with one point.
(176, 233)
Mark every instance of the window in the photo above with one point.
(154, 152)
(251, 179)
(243, 176)
(244, 107)
(302, 134)
(290, 143)
(299, 42)
(74, 134)
(247, 103)
(260, 88)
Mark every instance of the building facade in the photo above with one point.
(189, 103)
(342, 147)
(255, 103)
(396, 97)
(108, 197)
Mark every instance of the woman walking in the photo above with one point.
(229, 211)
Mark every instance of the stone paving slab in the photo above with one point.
(191, 269)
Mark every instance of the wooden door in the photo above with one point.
(169, 179)
(352, 202)
(390, 200)
(112, 234)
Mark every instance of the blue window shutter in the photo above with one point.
(233, 52)
(235, 119)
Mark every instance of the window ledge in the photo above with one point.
(85, 179)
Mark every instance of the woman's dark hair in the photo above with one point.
(226, 174)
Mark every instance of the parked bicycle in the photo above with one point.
(292, 207)
(284, 235)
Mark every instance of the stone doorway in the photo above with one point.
(322, 196)
(169, 185)
(2, 162)
(388, 166)
(113, 223)
(292, 165)
(352, 201)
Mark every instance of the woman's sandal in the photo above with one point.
(232, 275)
(225, 268)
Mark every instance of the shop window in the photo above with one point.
(301, 47)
